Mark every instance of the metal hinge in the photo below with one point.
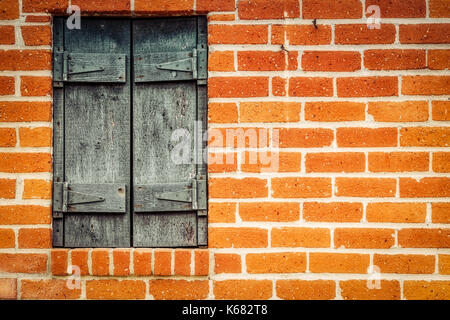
(167, 197)
(65, 197)
(185, 65)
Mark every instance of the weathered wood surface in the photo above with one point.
(159, 108)
(97, 134)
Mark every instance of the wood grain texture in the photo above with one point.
(97, 134)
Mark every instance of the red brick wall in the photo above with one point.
(362, 181)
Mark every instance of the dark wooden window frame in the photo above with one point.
(96, 205)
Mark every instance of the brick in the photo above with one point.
(269, 111)
(7, 188)
(38, 19)
(49, 289)
(9, 10)
(25, 60)
(267, 161)
(18, 111)
(424, 238)
(279, 262)
(37, 35)
(111, 6)
(335, 162)
(165, 7)
(361, 34)
(425, 137)
(238, 34)
(360, 290)
(310, 87)
(440, 212)
(35, 137)
(237, 188)
(439, 59)
(221, 16)
(402, 212)
(305, 138)
(426, 290)
(366, 137)
(7, 239)
(306, 289)
(215, 5)
(201, 258)
(269, 211)
(40, 238)
(227, 263)
(441, 110)
(25, 162)
(238, 87)
(394, 59)
(425, 187)
(322, 262)
(242, 289)
(222, 162)
(247, 137)
(365, 187)
(59, 262)
(24, 214)
(237, 238)
(279, 86)
(7, 85)
(222, 113)
(222, 212)
(404, 111)
(100, 262)
(334, 111)
(405, 263)
(426, 85)
(439, 9)
(425, 33)
(8, 288)
(37, 189)
(364, 238)
(221, 61)
(53, 6)
(398, 161)
(301, 35)
(182, 262)
(35, 86)
(261, 60)
(179, 289)
(142, 262)
(163, 263)
(7, 35)
(335, 61)
(332, 212)
(121, 259)
(80, 259)
(301, 187)
(300, 237)
(400, 8)
(367, 86)
(23, 263)
(115, 289)
(334, 9)
(444, 264)
(268, 9)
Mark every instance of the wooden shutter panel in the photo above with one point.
(169, 93)
(92, 116)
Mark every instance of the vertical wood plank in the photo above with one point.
(58, 134)
(97, 134)
(160, 108)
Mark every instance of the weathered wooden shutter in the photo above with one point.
(169, 93)
(116, 105)
(92, 116)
